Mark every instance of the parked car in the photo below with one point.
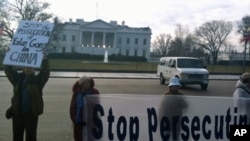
(189, 70)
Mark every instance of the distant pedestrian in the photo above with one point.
(78, 107)
(172, 106)
(242, 95)
(27, 100)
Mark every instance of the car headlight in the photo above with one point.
(184, 75)
(206, 76)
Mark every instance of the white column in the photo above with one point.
(92, 38)
(115, 38)
(103, 39)
(114, 44)
(80, 40)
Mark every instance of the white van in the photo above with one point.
(189, 70)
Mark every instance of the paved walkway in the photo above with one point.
(112, 75)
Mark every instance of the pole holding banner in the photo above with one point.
(28, 43)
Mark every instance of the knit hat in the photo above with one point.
(83, 79)
(245, 76)
(174, 82)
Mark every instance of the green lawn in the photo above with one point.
(100, 66)
(128, 66)
(80, 65)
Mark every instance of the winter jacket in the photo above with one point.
(242, 98)
(241, 90)
(35, 84)
(78, 128)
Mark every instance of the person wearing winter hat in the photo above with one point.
(173, 105)
(174, 86)
(242, 95)
(78, 108)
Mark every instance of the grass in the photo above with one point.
(80, 65)
(59, 64)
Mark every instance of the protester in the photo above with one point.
(83, 87)
(27, 100)
(174, 87)
(242, 95)
(172, 107)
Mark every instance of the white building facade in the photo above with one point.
(98, 36)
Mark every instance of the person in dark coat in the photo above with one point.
(27, 101)
(78, 107)
(172, 106)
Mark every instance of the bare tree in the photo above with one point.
(182, 43)
(212, 35)
(244, 30)
(18, 10)
(54, 43)
(161, 44)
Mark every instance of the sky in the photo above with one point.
(161, 16)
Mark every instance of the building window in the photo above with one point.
(63, 49)
(127, 52)
(73, 38)
(144, 41)
(136, 41)
(144, 53)
(128, 40)
(135, 52)
(64, 37)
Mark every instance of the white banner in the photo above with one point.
(28, 43)
(161, 118)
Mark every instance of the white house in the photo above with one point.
(98, 36)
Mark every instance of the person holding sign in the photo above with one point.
(78, 108)
(27, 100)
(171, 109)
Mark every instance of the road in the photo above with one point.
(55, 124)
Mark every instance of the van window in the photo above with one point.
(189, 63)
(172, 62)
(162, 62)
(169, 63)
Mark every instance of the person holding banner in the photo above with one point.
(78, 107)
(171, 109)
(242, 95)
(27, 100)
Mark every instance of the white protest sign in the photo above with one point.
(28, 43)
(158, 118)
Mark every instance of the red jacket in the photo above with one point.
(73, 109)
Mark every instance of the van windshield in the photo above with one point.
(189, 63)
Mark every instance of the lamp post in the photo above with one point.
(81, 48)
(246, 38)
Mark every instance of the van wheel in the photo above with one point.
(204, 86)
(162, 80)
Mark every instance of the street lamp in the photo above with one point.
(246, 38)
(81, 46)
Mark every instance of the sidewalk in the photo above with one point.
(112, 75)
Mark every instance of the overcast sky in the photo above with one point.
(160, 15)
